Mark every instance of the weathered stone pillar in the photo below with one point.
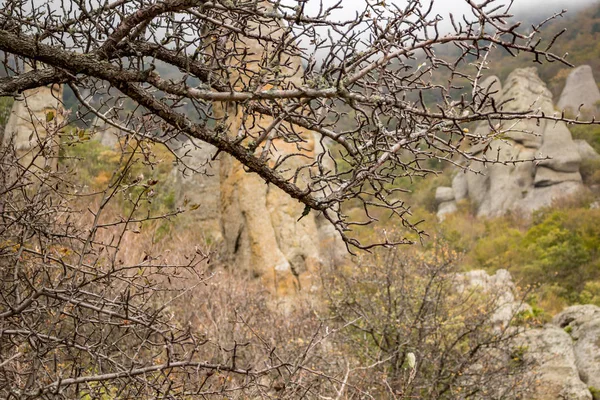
(33, 124)
(261, 227)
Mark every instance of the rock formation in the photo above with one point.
(583, 325)
(197, 181)
(586, 151)
(550, 349)
(108, 135)
(33, 113)
(514, 183)
(262, 228)
(580, 89)
(500, 287)
(564, 355)
(568, 353)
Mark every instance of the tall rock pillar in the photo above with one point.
(262, 229)
(35, 118)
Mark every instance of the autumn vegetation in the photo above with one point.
(130, 299)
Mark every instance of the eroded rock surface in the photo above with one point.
(500, 287)
(33, 113)
(514, 183)
(196, 179)
(261, 225)
(108, 135)
(551, 351)
(563, 357)
(583, 325)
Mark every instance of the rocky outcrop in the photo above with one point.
(261, 225)
(108, 135)
(445, 198)
(566, 354)
(563, 357)
(513, 182)
(501, 290)
(34, 113)
(580, 90)
(583, 325)
(550, 350)
(586, 151)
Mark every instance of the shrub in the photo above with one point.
(401, 304)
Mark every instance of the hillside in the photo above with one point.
(579, 41)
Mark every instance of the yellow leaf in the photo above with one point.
(49, 116)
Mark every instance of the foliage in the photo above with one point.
(558, 250)
(5, 107)
(399, 304)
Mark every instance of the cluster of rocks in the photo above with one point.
(564, 354)
(512, 182)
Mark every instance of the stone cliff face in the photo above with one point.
(197, 181)
(494, 189)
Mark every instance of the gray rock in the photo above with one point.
(478, 183)
(539, 197)
(26, 123)
(460, 186)
(500, 287)
(586, 152)
(551, 351)
(524, 90)
(547, 177)
(587, 352)
(583, 324)
(509, 182)
(444, 194)
(445, 208)
(108, 135)
(580, 88)
(197, 180)
(575, 316)
(558, 144)
(490, 90)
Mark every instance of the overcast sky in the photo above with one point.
(443, 7)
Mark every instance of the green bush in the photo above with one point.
(559, 250)
(402, 308)
(589, 133)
